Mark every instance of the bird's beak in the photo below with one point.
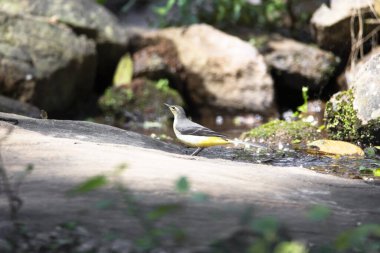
(167, 105)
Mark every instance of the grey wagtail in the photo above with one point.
(195, 135)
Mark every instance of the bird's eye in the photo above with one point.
(173, 108)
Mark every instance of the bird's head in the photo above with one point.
(176, 110)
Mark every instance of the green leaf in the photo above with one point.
(162, 210)
(164, 10)
(303, 108)
(376, 172)
(370, 151)
(267, 226)
(161, 11)
(124, 71)
(236, 12)
(319, 213)
(357, 238)
(183, 185)
(91, 184)
(291, 247)
(182, 3)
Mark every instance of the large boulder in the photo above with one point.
(355, 114)
(366, 87)
(45, 64)
(66, 153)
(295, 64)
(217, 70)
(84, 17)
(331, 26)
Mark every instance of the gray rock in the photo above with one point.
(5, 246)
(295, 64)
(44, 64)
(219, 70)
(331, 25)
(7, 228)
(84, 17)
(63, 163)
(88, 131)
(122, 246)
(13, 106)
(366, 87)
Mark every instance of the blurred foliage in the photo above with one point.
(218, 12)
(255, 235)
(319, 213)
(101, 1)
(364, 239)
(222, 12)
(304, 108)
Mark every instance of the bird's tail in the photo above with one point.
(237, 142)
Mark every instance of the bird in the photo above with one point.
(195, 135)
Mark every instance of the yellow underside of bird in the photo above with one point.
(202, 141)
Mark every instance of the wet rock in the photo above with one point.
(295, 65)
(331, 25)
(44, 64)
(13, 106)
(220, 71)
(84, 17)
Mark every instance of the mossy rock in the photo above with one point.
(280, 131)
(140, 101)
(342, 122)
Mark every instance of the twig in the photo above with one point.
(14, 202)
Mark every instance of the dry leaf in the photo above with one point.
(332, 147)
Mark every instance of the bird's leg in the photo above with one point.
(196, 152)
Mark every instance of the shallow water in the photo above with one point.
(348, 167)
(343, 166)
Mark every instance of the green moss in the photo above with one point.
(342, 122)
(114, 99)
(282, 131)
(141, 98)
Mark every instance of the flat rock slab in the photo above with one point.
(62, 161)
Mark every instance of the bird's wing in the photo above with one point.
(190, 128)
